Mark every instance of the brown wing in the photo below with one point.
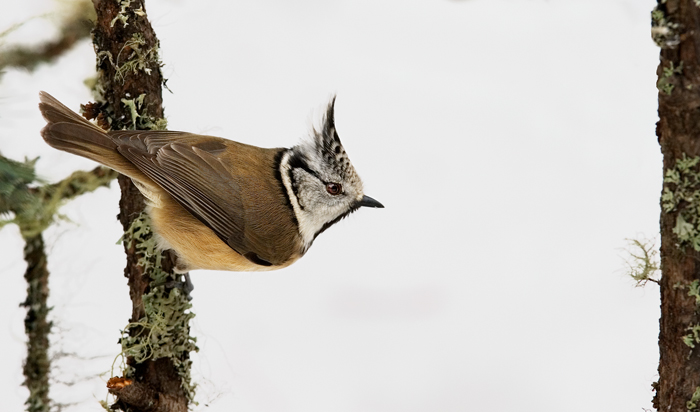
(187, 167)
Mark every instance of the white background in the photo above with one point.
(512, 143)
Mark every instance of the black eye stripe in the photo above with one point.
(298, 162)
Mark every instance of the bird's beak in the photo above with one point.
(369, 202)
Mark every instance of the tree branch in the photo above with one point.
(75, 28)
(35, 209)
(676, 29)
(156, 342)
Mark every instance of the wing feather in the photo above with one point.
(200, 182)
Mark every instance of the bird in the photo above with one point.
(220, 204)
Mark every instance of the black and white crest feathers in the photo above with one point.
(307, 168)
(328, 147)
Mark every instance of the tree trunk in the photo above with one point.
(157, 374)
(676, 29)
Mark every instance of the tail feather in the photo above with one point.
(68, 131)
(56, 112)
(77, 134)
(65, 128)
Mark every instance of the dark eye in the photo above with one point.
(334, 188)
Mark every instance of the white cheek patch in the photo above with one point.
(309, 224)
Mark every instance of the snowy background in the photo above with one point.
(512, 143)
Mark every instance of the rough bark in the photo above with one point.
(130, 85)
(131, 204)
(676, 28)
(126, 48)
